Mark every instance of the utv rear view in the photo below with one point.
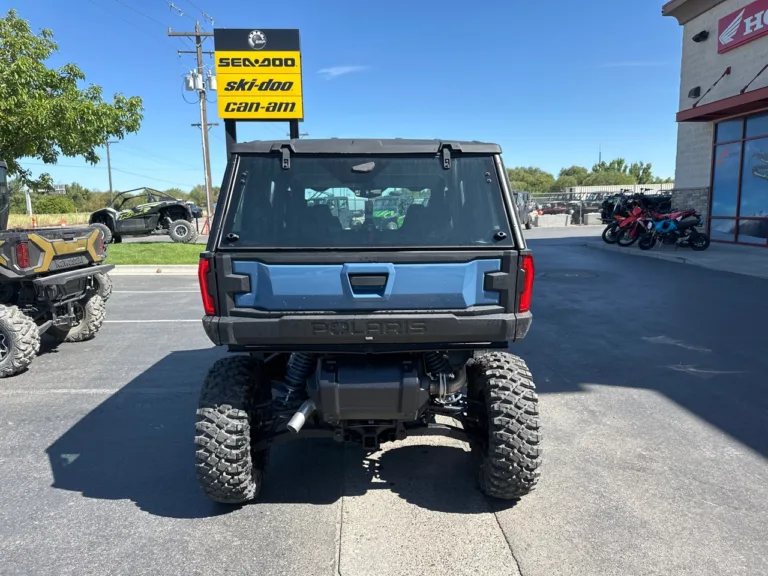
(361, 332)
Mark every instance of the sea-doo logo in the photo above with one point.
(742, 26)
(274, 62)
(245, 85)
(370, 328)
(257, 39)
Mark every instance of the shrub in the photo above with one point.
(54, 205)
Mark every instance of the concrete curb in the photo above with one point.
(730, 266)
(635, 251)
(154, 270)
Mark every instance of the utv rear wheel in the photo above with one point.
(19, 341)
(90, 313)
(103, 284)
(506, 437)
(228, 470)
(104, 230)
(182, 231)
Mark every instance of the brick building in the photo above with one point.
(722, 141)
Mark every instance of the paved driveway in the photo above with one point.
(655, 406)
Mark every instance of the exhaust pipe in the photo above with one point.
(298, 420)
(445, 385)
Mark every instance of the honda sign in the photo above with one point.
(742, 26)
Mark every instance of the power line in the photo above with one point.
(142, 13)
(114, 170)
(167, 159)
(150, 178)
(139, 28)
(205, 16)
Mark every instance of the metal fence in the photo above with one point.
(578, 205)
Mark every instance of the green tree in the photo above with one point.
(617, 165)
(564, 182)
(44, 113)
(197, 195)
(609, 178)
(642, 172)
(577, 172)
(530, 179)
(18, 196)
(79, 195)
(54, 204)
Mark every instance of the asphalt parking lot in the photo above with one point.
(654, 401)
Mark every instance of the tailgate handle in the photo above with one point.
(368, 281)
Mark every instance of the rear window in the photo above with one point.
(368, 202)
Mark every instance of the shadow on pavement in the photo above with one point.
(694, 335)
(137, 444)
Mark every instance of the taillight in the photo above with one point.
(525, 295)
(100, 243)
(203, 269)
(22, 255)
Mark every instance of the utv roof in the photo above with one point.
(359, 146)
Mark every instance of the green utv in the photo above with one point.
(52, 281)
(366, 334)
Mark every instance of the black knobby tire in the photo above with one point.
(228, 470)
(103, 283)
(698, 241)
(646, 242)
(19, 341)
(506, 444)
(182, 231)
(92, 311)
(104, 230)
(609, 234)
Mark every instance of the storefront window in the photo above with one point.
(739, 209)
(725, 182)
(753, 231)
(754, 179)
(757, 126)
(723, 230)
(730, 130)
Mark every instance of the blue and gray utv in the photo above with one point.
(366, 333)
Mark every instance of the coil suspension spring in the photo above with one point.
(436, 363)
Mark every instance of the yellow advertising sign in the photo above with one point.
(259, 74)
(263, 108)
(288, 62)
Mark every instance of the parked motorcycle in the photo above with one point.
(679, 228)
(616, 209)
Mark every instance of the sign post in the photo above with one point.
(259, 78)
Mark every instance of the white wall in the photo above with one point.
(702, 66)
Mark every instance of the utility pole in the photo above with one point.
(109, 167)
(199, 84)
(302, 135)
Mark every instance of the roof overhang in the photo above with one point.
(686, 10)
(735, 105)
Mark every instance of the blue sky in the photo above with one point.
(551, 82)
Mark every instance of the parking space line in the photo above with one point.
(155, 291)
(148, 321)
(94, 391)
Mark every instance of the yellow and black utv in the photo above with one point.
(52, 280)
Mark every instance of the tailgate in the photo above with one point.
(52, 250)
(278, 284)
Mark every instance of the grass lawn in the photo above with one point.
(138, 253)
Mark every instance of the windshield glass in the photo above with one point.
(377, 201)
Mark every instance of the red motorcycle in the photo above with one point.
(641, 221)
